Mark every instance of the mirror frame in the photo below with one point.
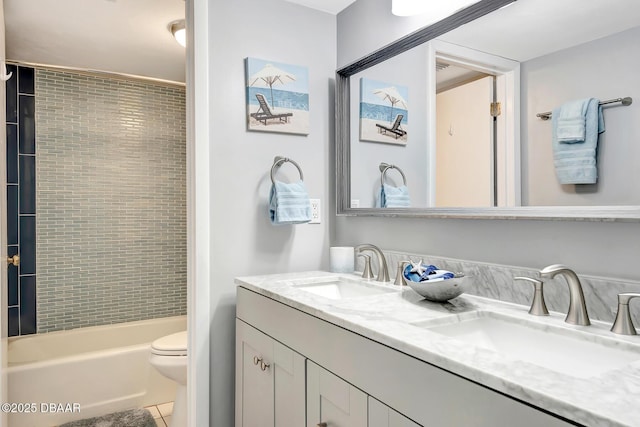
(343, 148)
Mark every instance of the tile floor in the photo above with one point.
(161, 413)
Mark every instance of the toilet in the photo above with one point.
(169, 357)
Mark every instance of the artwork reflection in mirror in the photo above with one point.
(384, 112)
(406, 148)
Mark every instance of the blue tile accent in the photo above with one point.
(27, 124)
(12, 154)
(13, 278)
(27, 184)
(12, 95)
(14, 321)
(12, 214)
(27, 305)
(26, 80)
(21, 200)
(27, 245)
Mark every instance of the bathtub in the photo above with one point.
(69, 375)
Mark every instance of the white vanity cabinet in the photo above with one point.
(380, 415)
(332, 401)
(270, 381)
(355, 378)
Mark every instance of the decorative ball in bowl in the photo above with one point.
(438, 290)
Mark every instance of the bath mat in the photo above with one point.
(130, 418)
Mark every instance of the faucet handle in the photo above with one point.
(623, 324)
(400, 273)
(538, 306)
(366, 272)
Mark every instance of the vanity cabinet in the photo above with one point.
(353, 378)
(332, 401)
(380, 415)
(270, 381)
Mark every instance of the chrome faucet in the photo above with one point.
(383, 270)
(577, 313)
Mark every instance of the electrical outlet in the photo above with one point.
(315, 211)
(355, 203)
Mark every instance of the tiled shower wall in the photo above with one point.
(111, 200)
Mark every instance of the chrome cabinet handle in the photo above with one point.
(258, 361)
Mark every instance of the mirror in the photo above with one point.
(411, 130)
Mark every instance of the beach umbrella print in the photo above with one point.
(392, 95)
(269, 76)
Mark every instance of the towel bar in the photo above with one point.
(624, 101)
(278, 161)
(384, 167)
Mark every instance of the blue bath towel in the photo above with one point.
(575, 162)
(289, 203)
(393, 197)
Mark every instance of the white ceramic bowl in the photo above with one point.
(440, 290)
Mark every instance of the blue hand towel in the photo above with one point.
(575, 163)
(393, 197)
(571, 124)
(289, 203)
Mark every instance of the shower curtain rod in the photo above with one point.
(625, 101)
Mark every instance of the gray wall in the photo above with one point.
(603, 249)
(244, 241)
(603, 69)
(111, 200)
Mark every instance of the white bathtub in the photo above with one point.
(102, 368)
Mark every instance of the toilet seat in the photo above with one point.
(171, 345)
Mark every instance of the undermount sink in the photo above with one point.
(341, 288)
(562, 350)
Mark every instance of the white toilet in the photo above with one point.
(169, 357)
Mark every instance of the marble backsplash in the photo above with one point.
(496, 281)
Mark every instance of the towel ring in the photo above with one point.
(384, 167)
(278, 161)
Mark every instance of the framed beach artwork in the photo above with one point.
(384, 112)
(277, 97)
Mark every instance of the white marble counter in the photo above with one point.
(607, 399)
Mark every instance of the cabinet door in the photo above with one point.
(332, 402)
(270, 381)
(254, 386)
(380, 415)
(289, 386)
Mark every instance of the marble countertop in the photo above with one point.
(393, 318)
